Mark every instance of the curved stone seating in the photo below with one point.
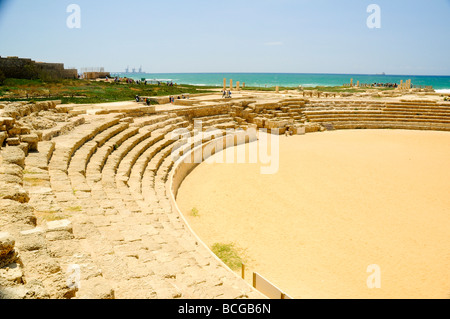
(395, 115)
(113, 180)
(362, 116)
(389, 125)
(160, 141)
(182, 167)
(60, 241)
(80, 151)
(95, 166)
(412, 110)
(78, 164)
(62, 128)
(136, 246)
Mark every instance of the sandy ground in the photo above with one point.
(341, 201)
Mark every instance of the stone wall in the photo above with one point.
(56, 70)
(201, 111)
(14, 67)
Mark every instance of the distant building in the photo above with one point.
(96, 75)
(14, 67)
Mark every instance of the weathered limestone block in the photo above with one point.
(294, 102)
(14, 192)
(13, 141)
(266, 106)
(246, 113)
(299, 130)
(32, 140)
(13, 155)
(312, 127)
(11, 179)
(12, 274)
(160, 99)
(6, 244)
(60, 225)
(8, 122)
(127, 120)
(24, 147)
(8, 259)
(19, 129)
(185, 102)
(96, 288)
(25, 110)
(63, 109)
(31, 290)
(3, 137)
(31, 240)
(59, 289)
(259, 121)
(10, 169)
(15, 214)
(59, 230)
(149, 110)
(11, 111)
(44, 106)
(276, 124)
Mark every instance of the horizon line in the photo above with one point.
(307, 73)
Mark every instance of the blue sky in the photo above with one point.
(292, 36)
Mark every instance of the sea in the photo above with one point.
(439, 83)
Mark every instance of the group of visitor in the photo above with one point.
(140, 99)
(226, 94)
(182, 97)
(168, 83)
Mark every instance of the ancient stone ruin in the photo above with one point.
(19, 68)
(86, 193)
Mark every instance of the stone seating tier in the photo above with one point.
(101, 192)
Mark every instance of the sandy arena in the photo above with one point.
(341, 201)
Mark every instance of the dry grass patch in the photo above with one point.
(229, 254)
(50, 215)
